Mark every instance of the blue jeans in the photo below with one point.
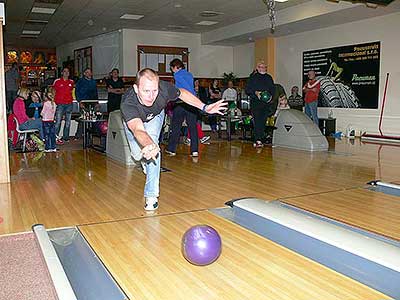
(33, 124)
(61, 110)
(152, 167)
(311, 110)
(49, 135)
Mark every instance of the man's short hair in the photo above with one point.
(115, 69)
(177, 63)
(87, 69)
(148, 73)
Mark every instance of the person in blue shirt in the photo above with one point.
(85, 89)
(183, 111)
(34, 107)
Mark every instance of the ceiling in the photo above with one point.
(78, 19)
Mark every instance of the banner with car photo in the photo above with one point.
(349, 75)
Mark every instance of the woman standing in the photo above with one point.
(215, 95)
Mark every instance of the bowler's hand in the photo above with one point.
(218, 107)
(151, 151)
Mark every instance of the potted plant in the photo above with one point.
(229, 76)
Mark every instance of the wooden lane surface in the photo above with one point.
(78, 187)
(144, 257)
(373, 211)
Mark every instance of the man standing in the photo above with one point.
(260, 81)
(142, 108)
(115, 88)
(183, 111)
(86, 89)
(63, 98)
(311, 90)
(12, 84)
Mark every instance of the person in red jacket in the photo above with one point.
(311, 91)
(63, 98)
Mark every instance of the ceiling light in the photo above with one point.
(281, 0)
(178, 5)
(43, 10)
(207, 23)
(32, 32)
(131, 17)
(210, 13)
(176, 26)
(37, 21)
(29, 36)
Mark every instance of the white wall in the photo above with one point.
(289, 51)
(243, 59)
(105, 52)
(204, 61)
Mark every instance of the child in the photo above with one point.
(36, 105)
(282, 104)
(48, 112)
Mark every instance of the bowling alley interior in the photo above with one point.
(187, 149)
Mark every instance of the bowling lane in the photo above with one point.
(144, 256)
(369, 210)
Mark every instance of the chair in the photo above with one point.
(24, 133)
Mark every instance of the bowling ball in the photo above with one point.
(201, 245)
(265, 96)
(103, 127)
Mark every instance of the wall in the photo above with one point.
(204, 61)
(243, 60)
(385, 29)
(105, 52)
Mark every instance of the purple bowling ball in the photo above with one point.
(201, 245)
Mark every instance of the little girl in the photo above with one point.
(36, 105)
(48, 112)
(282, 104)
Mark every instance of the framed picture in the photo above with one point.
(12, 57)
(38, 58)
(51, 59)
(82, 60)
(25, 57)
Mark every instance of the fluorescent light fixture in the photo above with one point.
(176, 26)
(43, 10)
(37, 21)
(31, 32)
(29, 36)
(281, 0)
(131, 17)
(206, 23)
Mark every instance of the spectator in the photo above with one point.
(34, 105)
(311, 90)
(215, 94)
(295, 99)
(20, 113)
(48, 113)
(12, 83)
(63, 98)
(115, 88)
(230, 94)
(86, 89)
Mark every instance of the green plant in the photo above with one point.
(229, 76)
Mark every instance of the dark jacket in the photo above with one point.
(261, 82)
